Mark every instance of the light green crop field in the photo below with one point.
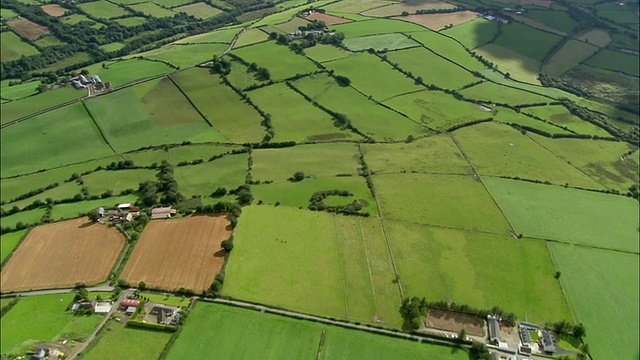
(170, 3)
(120, 73)
(226, 111)
(488, 91)
(13, 47)
(49, 41)
(78, 209)
(9, 241)
(184, 55)
(203, 179)
(559, 115)
(76, 18)
(435, 154)
(19, 91)
(568, 215)
(556, 19)
(388, 82)
(62, 191)
(601, 160)
(482, 269)
(457, 201)
(240, 78)
(217, 36)
(473, 33)
(117, 181)
(380, 42)
(550, 92)
(170, 300)
(292, 25)
(616, 61)
(448, 48)
(177, 154)
(618, 14)
(131, 21)
(59, 137)
(500, 150)
(152, 10)
(536, 46)
(368, 117)
(439, 71)
(48, 311)
(117, 341)
(373, 27)
(509, 116)
(29, 217)
(318, 160)
(399, 8)
(322, 53)
(16, 109)
(250, 37)
(571, 54)
(297, 194)
(294, 118)
(281, 62)
(103, 9)
(610, 279)
(519, 67)
(436, 110)
(7, 13)
(168, 105)
(199, 10)
(355, 6)
(112, 47)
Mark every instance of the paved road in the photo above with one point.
(103, 287)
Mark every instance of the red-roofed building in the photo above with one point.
(129, 302)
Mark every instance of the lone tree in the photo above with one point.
(343, 80)
(93, 215)
(298, 176)
(557, 274)
(462, 335)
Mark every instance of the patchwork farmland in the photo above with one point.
(393, 171)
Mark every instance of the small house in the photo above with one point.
(130, 310)
(162, 212)
(162, 313)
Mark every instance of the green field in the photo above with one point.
(123, 72)
(117, 341)
(519, 67)
(322, 53)
(7, 13)
(103, 9)
(447, 48)
(53, 323)
(387, 83)
(436, 110)
(218, 36)
(568, 215)
(379, 42)
(153, 10)
(292, 25)
(183, 56)
(203, 179)
(556, 19)
(170, 300)
(559, 115)
(571, 54)
(616, 61)
(611, 281)
(62, 191)
(477, 269)
(509, 116)
(117, 181)
(26, 217)
(131, 21)
(473, 33)
(355, 6)
(199, 10)
(370, 118)
(439, 71)
(112, 47)
(13, 47)
(76, 18)
(24, 107)
(250, 37)
(499, 150)
(48, 41)
(77, 209)
(177, 154)
(619, 14)
(527, 41)
(20, 91)
(171, 3)
(490, 92)
(226, 111)
(373, 27)
(281, 62)
(8, 242)
(410, 7)
(294, 118)
(457, 201)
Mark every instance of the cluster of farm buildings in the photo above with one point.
(544, 344)
(126, 212)
(155, 313)
(93, 82)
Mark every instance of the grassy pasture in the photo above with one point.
(112, 47)
(488, 91)
(457, 201)
(556, 19)
(280, 61)
(440, 21)
(76, 18)
(250, 37)
(46, 141)
(519, 67)
(373, 27)
(228, 113)
(76, 59)
(152, 9)
(448, 48)
(618, 14)
(75, 210)
(435, 154)
(316, 160)
(436, 110)
(327, 19)
(177, 154)
(499, 150)
(203, 179)
(616, 61)
(568, 215)
(54, 323)
(103, 9)
(171, 3)
(117, 181)
(179, 301)
(294, 118)
(481, 269)
(569, 55)
(117, 341)
(7, 13)
(131, 21)
(439, 71)
(601, 160)
(12, 47)
(199, 10)
(10, 241)
(62, 191)
(168, 106)
(26, 217)
(509, 116)
(596, 37)
(602, 287)
(20, 91)
(322, 53)
(550, 92)
(559, 115)
(48, 40)
(387, 83)
(537, 25)
(120, 73)
(184, 55)
(217, 36)
(527, 41)
(473, 33)
(292, 25)
(370, 118)
(355, 6)
(380, 42)
(399, 8)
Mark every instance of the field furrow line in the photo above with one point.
(366, 255)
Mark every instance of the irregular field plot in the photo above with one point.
(500, 150)
(117, 181)
(182, 253)
(602, 287)
(27, 28)
(439, 21)
(327, 19)
(556, 19)
(438, 71)
(596, 37)
(518, 66)
(478, 269)
(377, 26)
(473, 33)
(122, 72)
(62, 191)
(538, 25)
(559, 115)
(280, 61)
(379, 42)
(19, 91)
(571, 54)
(12, 48)
(199, 10)
(217, 36)
(185, 55)
(228, 172)
(355, 6)
(616, 61)
(536, 46)
(23, 107)
(437, 110)
(19, 334)
(446, 200)
(448, 48)
(103, 9)
(491, 92)
(250, 37)
(61, 255)
(131, 21)
(8, 243)
(508, 116)
(322, 53)
(399, 8)
(29, 217)
(152, 10)
(53, 9)
(436, 154)
(568, 215)
(292, 25)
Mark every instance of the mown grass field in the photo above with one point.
(473, 33)
(103, 9)
(48, 311)
(250, 37)
(373, 27)
(611, 280)
(568, 215)
(224, 35)
(457, 201)
(536, 46)
(19, 91)
(120, 73)
(355, 6)
(482, 269)
(62, 191)
(112, 47)
(488, 91)
(280, 61)
(8, 242)
(571, 54)
(440, 72)
(153, 10)
(170, 300)
(500, 150)
(29, 217)
(509, 116)
(596, 37)
(131, 21)
(380, 42)
(559, 115)
(117, 181)
(16, 109)
(292, 25)
(199, 10)
(518, 66)
(117, 341)
(440, 21)
(556, 19)
(228, 172)
(63, 136)
(183, 56)
(322, 53)
(448, 48)
(13, 47)
(399, 8)
(616, 61)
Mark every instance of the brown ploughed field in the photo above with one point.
(54, 9)
(453, 321)
(27, 28)
(181, 253)
(62, 254)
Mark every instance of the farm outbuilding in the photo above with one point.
(494, 328)
(162, 212)
(129, 302)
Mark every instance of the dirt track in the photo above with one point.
(183, 253)
(62, 254)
